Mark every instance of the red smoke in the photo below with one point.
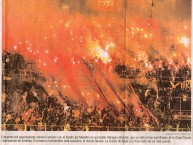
(58, 40)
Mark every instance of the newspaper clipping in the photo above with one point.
(96, 72)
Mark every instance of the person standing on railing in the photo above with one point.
(67, 127)
(178, 127)
(147, 126)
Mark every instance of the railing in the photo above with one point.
(44, 127)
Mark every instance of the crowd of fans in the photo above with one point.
(170, 100)
(27, 106)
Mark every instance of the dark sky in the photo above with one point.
(163, 9)
(183, 8)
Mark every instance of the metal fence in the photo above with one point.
(44, 127)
